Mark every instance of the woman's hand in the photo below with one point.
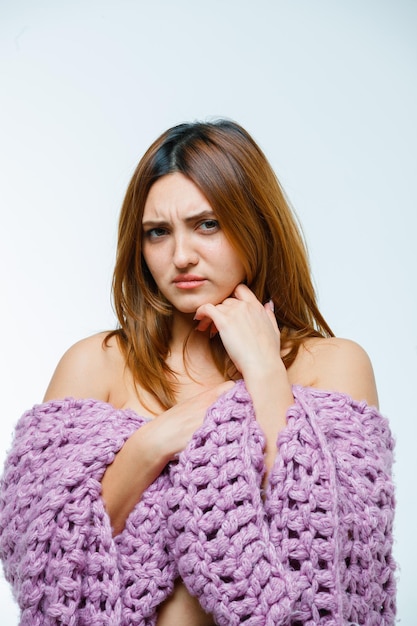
(173, 429)
(250, 335)
(145, 454)
(247, 328)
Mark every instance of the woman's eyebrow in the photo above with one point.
(206, 213)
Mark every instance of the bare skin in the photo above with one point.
(186, 251)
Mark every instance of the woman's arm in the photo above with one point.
(149, 449)
(251, 337)
(88, 370)
(250, 334)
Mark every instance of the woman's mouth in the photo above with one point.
(188, 281)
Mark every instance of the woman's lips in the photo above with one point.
(188, 281)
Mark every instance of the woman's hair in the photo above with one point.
(232, 172)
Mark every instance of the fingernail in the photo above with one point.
(271, 305)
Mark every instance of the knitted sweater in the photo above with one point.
(314, 548)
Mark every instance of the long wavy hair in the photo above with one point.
(232, 172)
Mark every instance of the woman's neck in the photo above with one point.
(190, 355)
(182, 328)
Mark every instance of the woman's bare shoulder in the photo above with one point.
(87, 369)
(337, 364)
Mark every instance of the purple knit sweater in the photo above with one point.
(315, 548)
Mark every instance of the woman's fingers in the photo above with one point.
(204, 313)
(203, 318)
(242, 292)
(269, 308)
(206, 323)
(174, 428)
(208, 315)
(248, 329)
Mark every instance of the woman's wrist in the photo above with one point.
(154, 444)
(134, 468)
(271, 395)
(264, 376)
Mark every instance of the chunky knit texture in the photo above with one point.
(314, 548)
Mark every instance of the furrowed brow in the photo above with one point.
(205, 214)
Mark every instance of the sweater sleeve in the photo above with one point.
(317, 548)
(346, 470)
(218, 529)
(55, 536)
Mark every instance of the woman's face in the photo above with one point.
(184, 247)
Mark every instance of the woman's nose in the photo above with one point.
(185, 253)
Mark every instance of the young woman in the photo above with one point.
(212, 285)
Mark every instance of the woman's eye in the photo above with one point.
(209, 225)
(155, 233)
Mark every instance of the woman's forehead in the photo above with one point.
(175, 195)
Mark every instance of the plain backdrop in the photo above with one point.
(327, 88)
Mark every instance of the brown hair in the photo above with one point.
(225, 163)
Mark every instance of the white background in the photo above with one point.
(328, 89)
